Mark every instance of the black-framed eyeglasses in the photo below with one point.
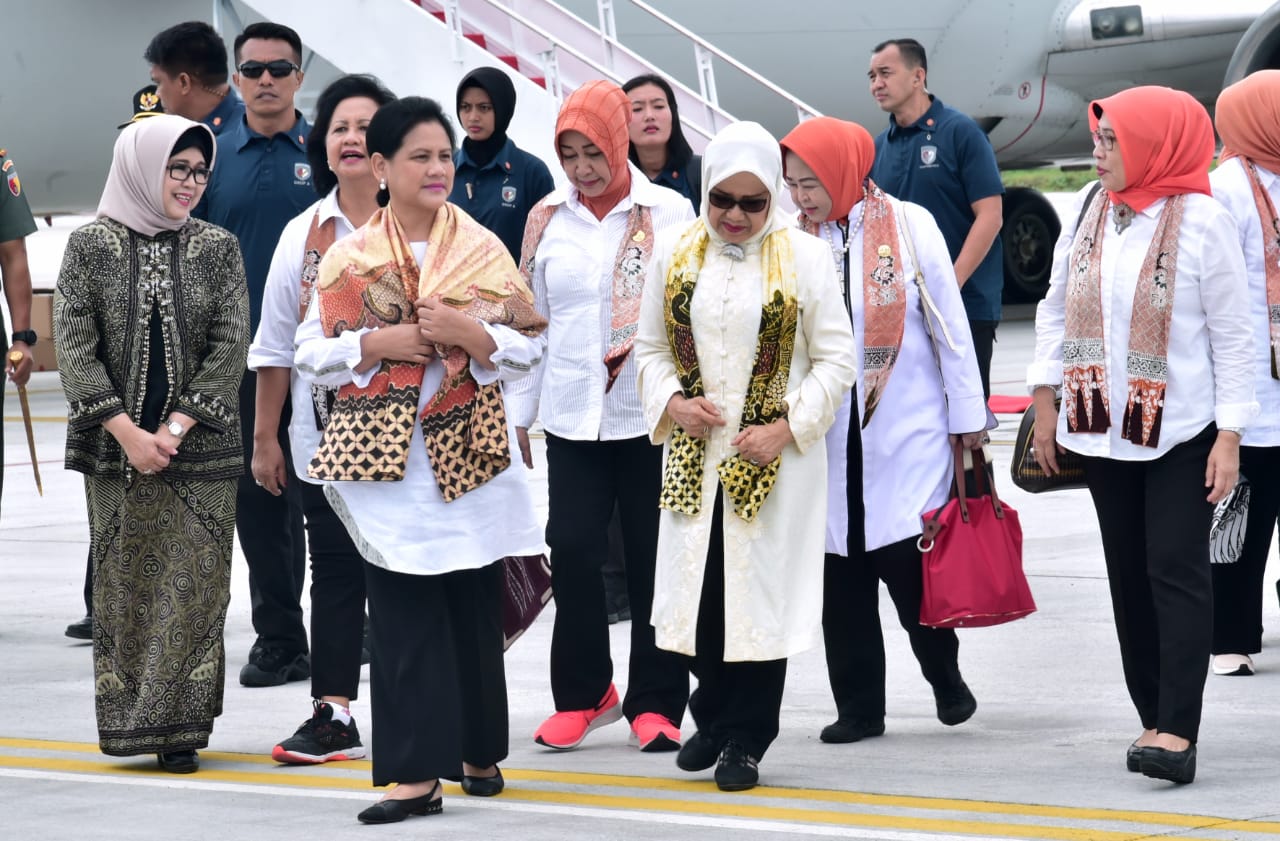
(278, 68)
(1106, 141)
(724, 201)
(181, 171)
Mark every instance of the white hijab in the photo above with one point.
(744, 147)
(134, 194)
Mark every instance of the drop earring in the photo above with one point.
(382, 184)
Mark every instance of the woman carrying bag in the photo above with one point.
(1142, 331)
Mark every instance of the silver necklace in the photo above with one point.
(1121, 215)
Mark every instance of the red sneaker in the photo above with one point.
(654, 733)
(566, 730)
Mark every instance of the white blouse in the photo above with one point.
(907, 464)
(272, 347)
(1211, 347)
(1231, 187)
(407, 526)
(573, 288)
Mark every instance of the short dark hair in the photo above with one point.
(393, 122)
(340, 89)
(911, 50)
(268, 31)
(194, 48)
(678, 150)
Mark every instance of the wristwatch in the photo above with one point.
(176, 429)
(28, 337)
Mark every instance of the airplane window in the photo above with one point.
(1116, 22)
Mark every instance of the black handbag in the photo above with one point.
(1025, 470)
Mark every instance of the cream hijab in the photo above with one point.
(134, 195)
(744, 147)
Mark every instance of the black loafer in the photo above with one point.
(956, 705)
(698, 753)
(179, 761)
(484, 786)
(394, 811)
(737, 769)
(1133, 758)
(845, 730)
(1176, 766)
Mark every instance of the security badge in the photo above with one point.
(509, 194)
(302, 172)
(928, 155)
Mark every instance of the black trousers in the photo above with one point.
(854, 639)
(271, 535)
(984, 338)
(436, 675)
(585, 480)
(337, 599)
(1237, 588)
(1155, 537)
(741, 700)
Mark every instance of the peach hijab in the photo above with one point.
(1165, 138)
(601, 111)
(840, 153)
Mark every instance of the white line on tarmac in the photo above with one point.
(778, 827)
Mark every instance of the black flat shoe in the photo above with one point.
(698, 753)
(845, 730)
(956, 704)
(179, 761)
(394, 811)
(484, 786)
(1176, 766)
(737, 769)
(1133, 758)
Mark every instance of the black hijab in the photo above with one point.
(502, 94)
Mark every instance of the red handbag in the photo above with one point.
(526, 589)
(971, 555)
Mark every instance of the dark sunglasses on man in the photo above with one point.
(278, 68)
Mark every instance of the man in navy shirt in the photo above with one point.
(261, 180)
(189, 67)
(937, 157)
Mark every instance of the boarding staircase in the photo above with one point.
(425, 47)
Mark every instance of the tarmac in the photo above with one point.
(1043, 758)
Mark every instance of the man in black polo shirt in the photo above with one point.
(940, 159)
(260, 182)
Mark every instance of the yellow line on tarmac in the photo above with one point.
(287, 777)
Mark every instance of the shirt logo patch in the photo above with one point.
(15, 186)
(302, 172)
(509, 194)
(928, 155)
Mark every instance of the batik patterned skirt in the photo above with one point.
(161, 582)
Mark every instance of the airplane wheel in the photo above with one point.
(1031, 228)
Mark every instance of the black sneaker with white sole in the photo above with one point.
(321, 738)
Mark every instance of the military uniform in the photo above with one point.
(16, 222)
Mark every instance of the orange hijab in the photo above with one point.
(601, 111)
(1166, 142)
(1248, 114)
(840, 153)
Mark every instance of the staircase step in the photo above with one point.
(477, 38)
(510, 60)
(540, 81)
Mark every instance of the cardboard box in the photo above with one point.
(42, 322)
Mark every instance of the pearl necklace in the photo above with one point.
(840, 254)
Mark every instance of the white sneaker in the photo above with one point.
(1232, 664)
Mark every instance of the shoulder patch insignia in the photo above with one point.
(15, 186)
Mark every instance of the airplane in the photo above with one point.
(1025, 71)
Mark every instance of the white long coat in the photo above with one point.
(773, 566)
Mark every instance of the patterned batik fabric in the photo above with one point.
(630, 266)
(161, 583)
(371, 279)
(884, 296)
(319, 240)
(1270, 259)
(746, 485)
(1084, 351)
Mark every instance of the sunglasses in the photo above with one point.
(724, 201)
(278, 68)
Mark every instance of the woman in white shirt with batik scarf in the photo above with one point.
(1142, 331)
